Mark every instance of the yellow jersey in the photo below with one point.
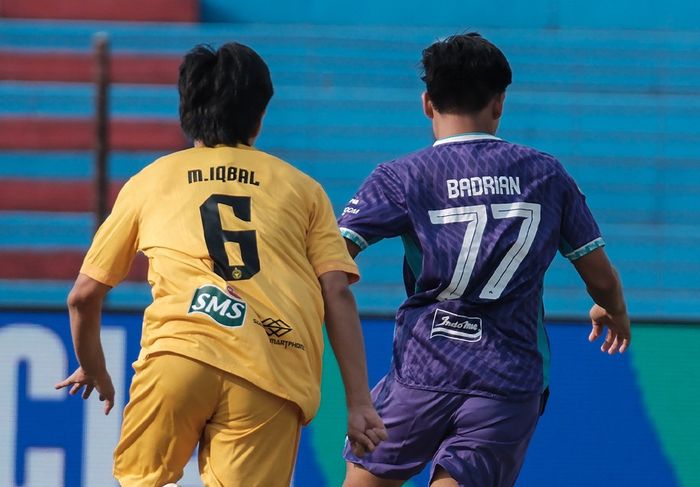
(236, 240)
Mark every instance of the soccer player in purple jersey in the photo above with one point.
(481, 220)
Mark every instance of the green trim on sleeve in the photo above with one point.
(585, 249)
(565, 247)
(354, 237)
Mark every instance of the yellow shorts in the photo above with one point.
(247, 436)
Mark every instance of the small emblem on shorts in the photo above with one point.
(220, 306)
(458, 327)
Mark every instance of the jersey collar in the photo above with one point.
(465, 138)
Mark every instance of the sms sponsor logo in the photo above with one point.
(222, 307)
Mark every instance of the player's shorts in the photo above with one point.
(246, 436)
(479, 441)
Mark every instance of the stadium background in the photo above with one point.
(611, 88)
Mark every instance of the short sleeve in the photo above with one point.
(116, 242)
(378, 209)
(580, 234)
(325, 248)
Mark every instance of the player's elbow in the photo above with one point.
(86, 293)
(79, 299)
(335, 286)
(601, 291)
(598, 273)
(605, 284)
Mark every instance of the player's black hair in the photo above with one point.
(223, 93)
(463, 73)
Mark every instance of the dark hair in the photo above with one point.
(223, 93)
(463, 73)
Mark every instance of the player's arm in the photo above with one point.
(353, 248)
(365, 428)
(377, 211)
(106, 264)
(85, 307)
(604, 286)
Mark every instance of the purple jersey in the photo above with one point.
(481, 220)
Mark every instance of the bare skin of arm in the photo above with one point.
(85, 308)
(604, 286)
(365, 428)
(353, 248)
(356, 476)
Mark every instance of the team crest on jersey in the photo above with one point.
(457, 327)
(224, 308)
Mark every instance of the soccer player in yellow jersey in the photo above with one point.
(245, 263)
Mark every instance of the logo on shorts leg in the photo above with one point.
(457, 327)
(220, 306)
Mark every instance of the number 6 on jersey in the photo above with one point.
(216, 237)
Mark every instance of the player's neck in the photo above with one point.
(198, 143)
(448, 125)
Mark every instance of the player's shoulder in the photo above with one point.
(539, 161)
(288, 171)
(412, 158)
(283, 166)
(162, 164)
(535, 154)
(396, 167)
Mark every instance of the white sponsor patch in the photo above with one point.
(457, 327)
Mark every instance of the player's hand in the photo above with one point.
(365, 429)
(618, 324)
(103, 384)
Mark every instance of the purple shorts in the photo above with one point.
(479, 441)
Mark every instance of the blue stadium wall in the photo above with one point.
(624, 420)
(532, 14)
(609, 87)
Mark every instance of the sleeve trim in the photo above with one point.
(99, 275)
(585, 249)
(354, 237)
(349, 269)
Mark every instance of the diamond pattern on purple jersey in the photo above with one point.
(481, 220)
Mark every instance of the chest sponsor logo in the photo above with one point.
(276, 329)
(351, 208)
(457, 327)
(220, 306)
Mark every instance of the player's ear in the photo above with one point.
(427, 105)
(497, 107)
